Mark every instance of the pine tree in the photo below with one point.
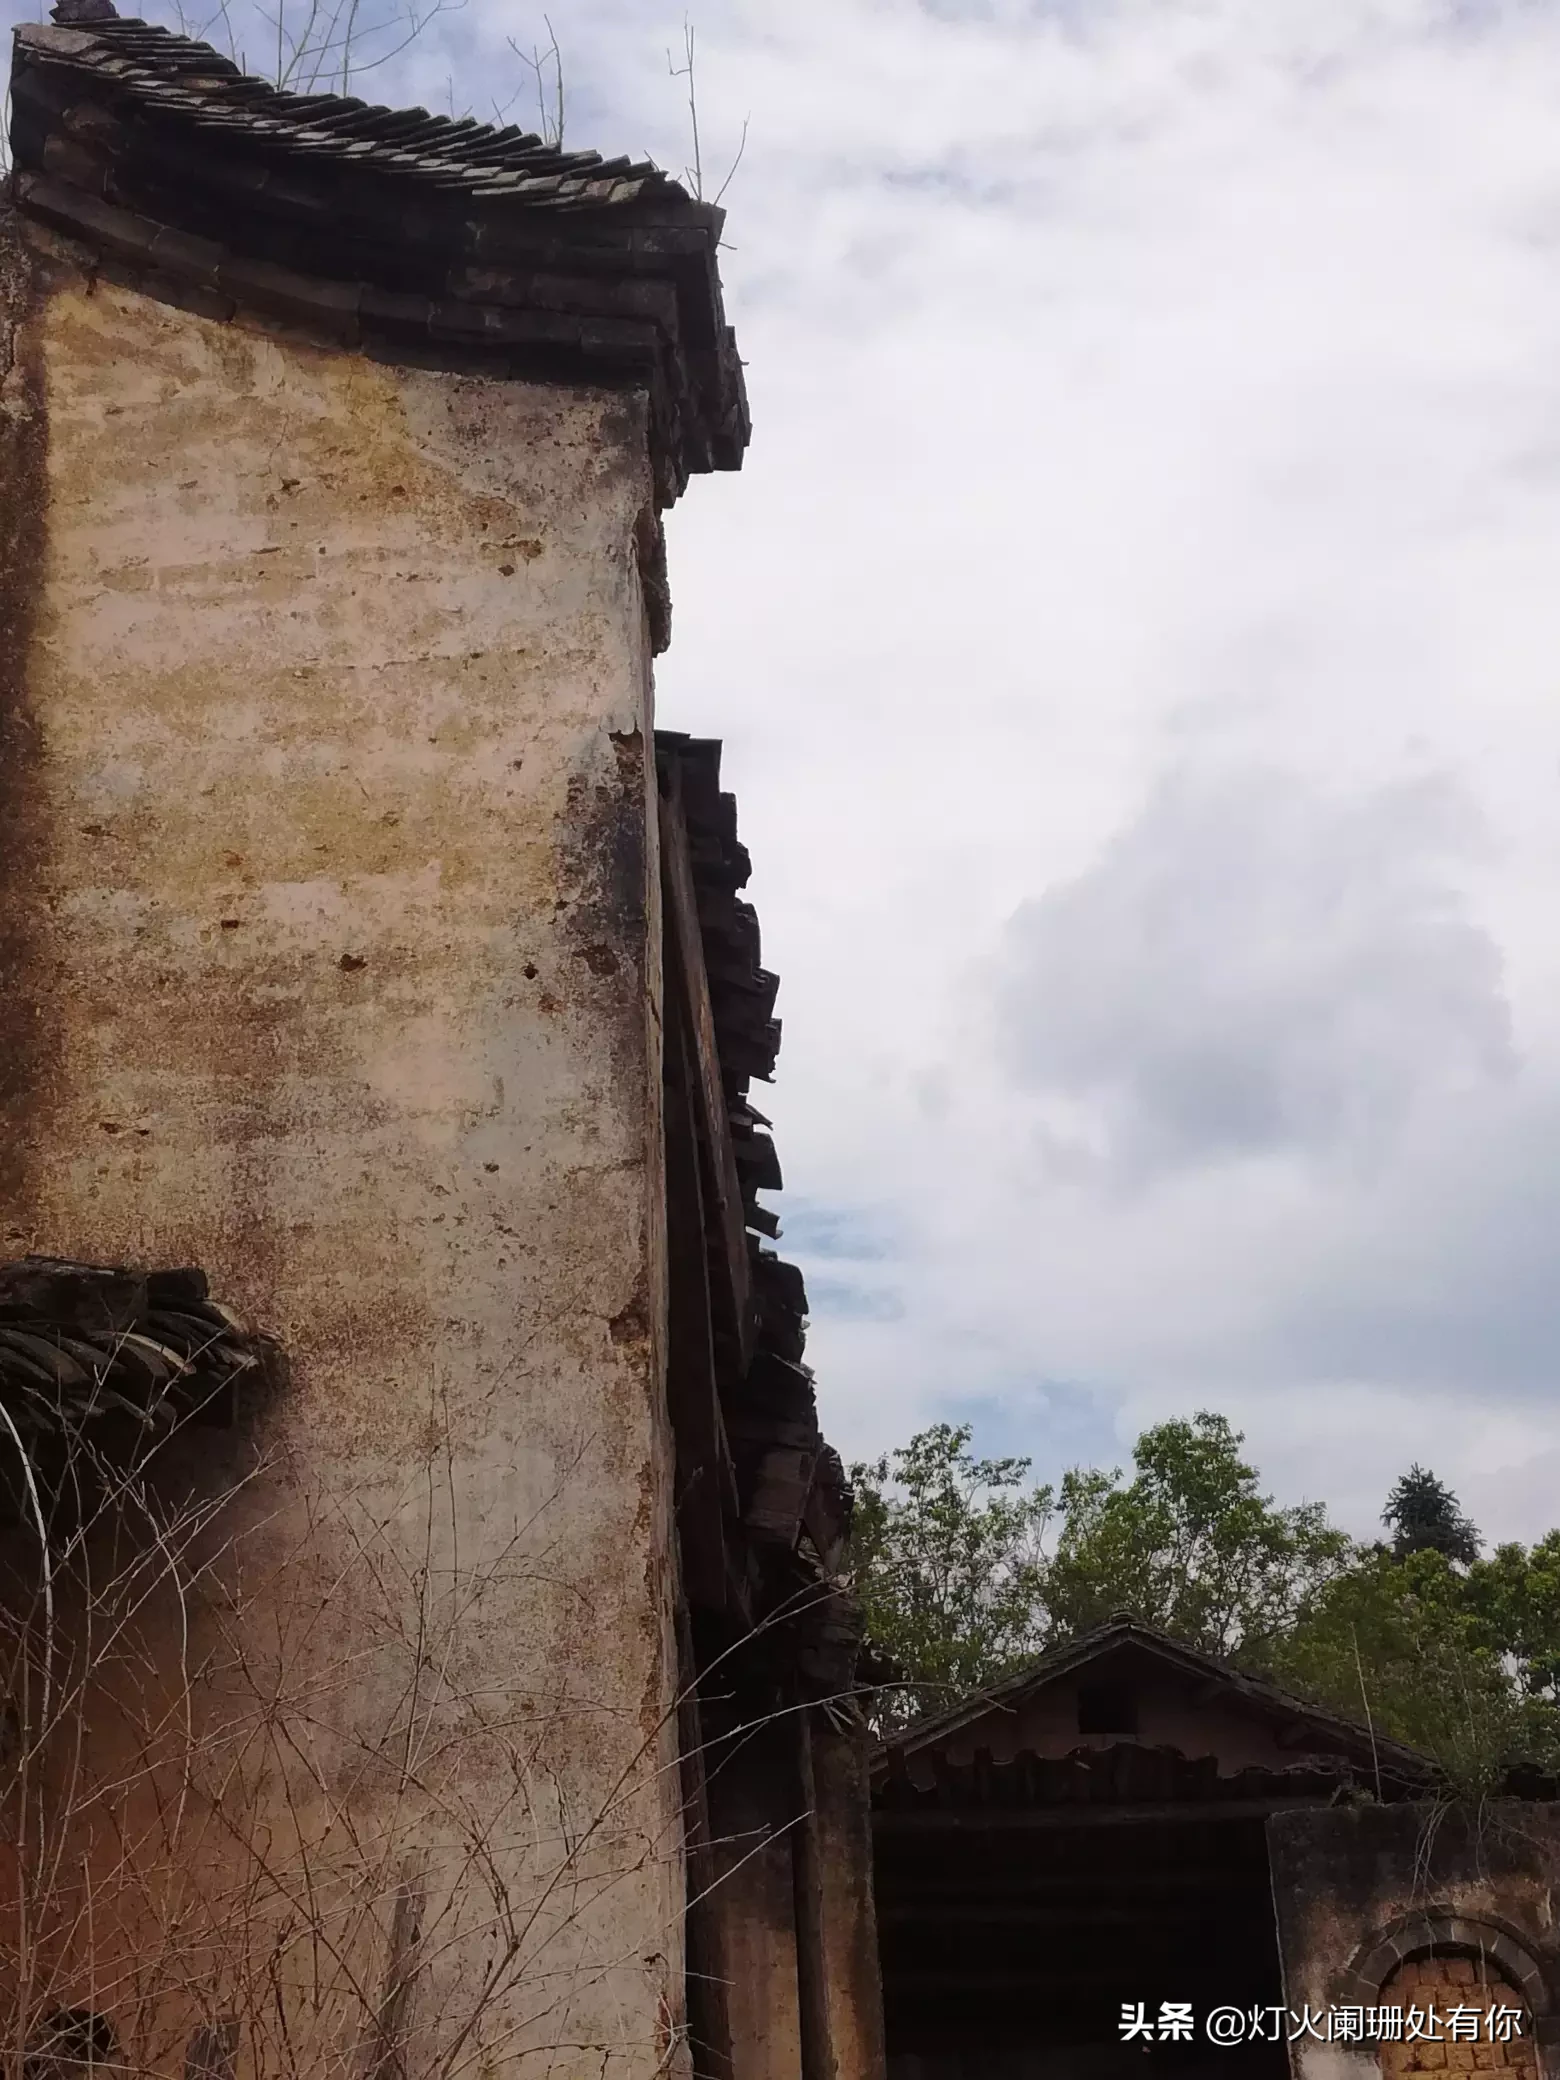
(1424, 1516)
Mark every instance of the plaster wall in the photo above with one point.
(330, 964)
(1361, 1892)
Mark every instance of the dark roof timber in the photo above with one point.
(1123, 1782)
(748, 1429)
(418, 239)
(1298, 1724)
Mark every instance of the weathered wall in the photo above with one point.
(1445, 1984)
(330, 967)
(852, 1973)
(754, 1807)
(1362, 1891)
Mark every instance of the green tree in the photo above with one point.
(1457, 1656)
(1190, 1544)
(947, 1553)
(1424, 1517)
(1515, 1597)
(1404, 1646)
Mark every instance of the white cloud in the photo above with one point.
(1254, 967)
(1154, 499)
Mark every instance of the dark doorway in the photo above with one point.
(1011, 1943)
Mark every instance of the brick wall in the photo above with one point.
(1448, 1982)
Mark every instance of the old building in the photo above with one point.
(424, 1651)
(1131, 1823)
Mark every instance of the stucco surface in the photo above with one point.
(1360, 1891)
(331, 968)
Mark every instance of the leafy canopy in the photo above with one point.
(949, 1567)
(1423, 1640)
(1190, 1544)
(1399, 1646)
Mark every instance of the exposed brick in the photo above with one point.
(1444, 1981)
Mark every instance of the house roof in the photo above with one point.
(411, 235)
(1308, 1725)
(99, 1365)
(194, 83)
(1124, 1780)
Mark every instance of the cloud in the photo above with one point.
(1440, 1278)
(850, 1300)
(1136, 640)
(1256, 966)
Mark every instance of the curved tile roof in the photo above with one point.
(196, 82)
(416, 238)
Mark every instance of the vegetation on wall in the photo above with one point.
(967, 1569)
(265, 1805)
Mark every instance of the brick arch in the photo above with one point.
(1432, 1931)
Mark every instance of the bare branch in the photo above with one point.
(550, 120)
(736, 162)
(694, 175)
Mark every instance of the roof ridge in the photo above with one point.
(1057, 1655)
(418, 238)
(164, 57)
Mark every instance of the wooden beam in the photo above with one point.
(1064, 1911)
(688, 980)
(854, 1965)
(752, 1806)
(812, 1972)
(779, 1498)
(706, 1487)
(1036, 1885)
(1296, 1733)
(1026, 1819)
(709, 2018)
(1043, 1991)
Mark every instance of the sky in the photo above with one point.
(1135, 633)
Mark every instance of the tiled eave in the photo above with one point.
(414, 238)
(100, 1365)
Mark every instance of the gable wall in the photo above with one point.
(330, 965)
(1168, 1716)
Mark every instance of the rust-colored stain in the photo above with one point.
(631, 1324)
(324, 690)
(25, 811)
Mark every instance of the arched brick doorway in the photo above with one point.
(1444, 1980)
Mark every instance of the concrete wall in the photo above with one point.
(1362, 1892)
(331, 966)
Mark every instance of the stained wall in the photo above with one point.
(330, 966)
(1410, 1905)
